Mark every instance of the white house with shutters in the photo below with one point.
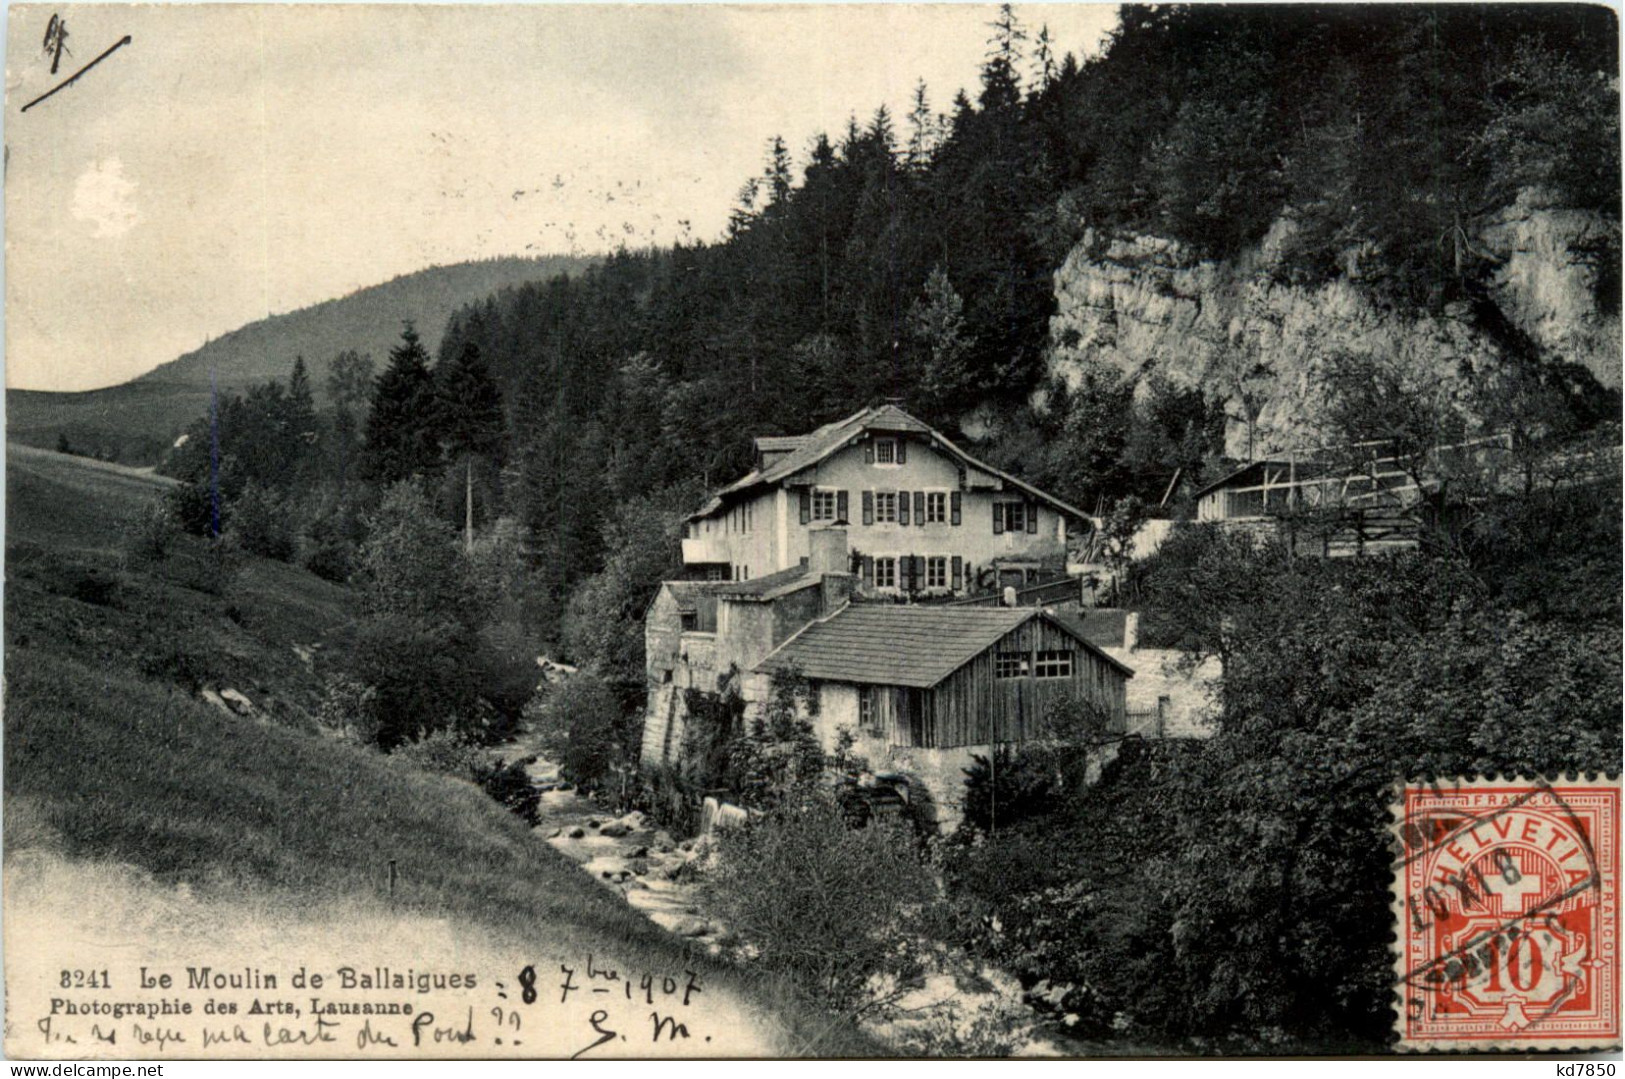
(924, 518)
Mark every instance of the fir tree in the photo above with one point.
(470, 404)
(1001, 85)
(924, 131)
(401, 431)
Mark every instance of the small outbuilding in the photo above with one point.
(924, 688)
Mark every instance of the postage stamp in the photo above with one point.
(1506, 914)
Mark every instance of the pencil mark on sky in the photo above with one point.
(71, 79)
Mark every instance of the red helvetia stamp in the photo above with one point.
(1506, 907)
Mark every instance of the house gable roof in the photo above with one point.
(828, 439)
(779, 443)
(896, 645)
(769, 586)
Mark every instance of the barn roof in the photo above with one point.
(821, 443)
(898, 645)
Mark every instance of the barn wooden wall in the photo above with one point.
(973, 707)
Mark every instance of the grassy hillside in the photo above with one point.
(134, 422)
(112, 758)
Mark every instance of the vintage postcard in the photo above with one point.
(911, 530)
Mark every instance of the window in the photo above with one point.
(885, 451)
(936, 572)
(691, 621)
(713, 573)
(885, 573)
(1009, 517)
(936, 507)
(1054, 664)
(823, 505)
(867, 721)
(1009, 664)
(885, 507)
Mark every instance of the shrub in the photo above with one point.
(510, 785)
(261, 522)
(330, 542)
(443, 752)
(152, 531)
(424, 678)
(450, 753)
(1007, 788)
(194, 507)
(346, 707)
(670, 799)
(952, 1033)
(586, 731)
(827, 905)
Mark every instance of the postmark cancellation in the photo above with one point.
(1506, 914)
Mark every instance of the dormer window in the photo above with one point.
(891, 450)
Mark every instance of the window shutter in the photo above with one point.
(868, 507)
(902, 451)
(841, 509)
(919, 508)
(958, 573)
(868, 571)
(806, 504)
(918, 574)
(869, 452)
(998, 518)
(953, 500)
(1032, 517)
(902, 507)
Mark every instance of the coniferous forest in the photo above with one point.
(523, 489)
(911, 257)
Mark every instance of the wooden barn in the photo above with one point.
(924, 687)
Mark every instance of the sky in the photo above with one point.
(232, 162)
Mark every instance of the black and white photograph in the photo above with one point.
(839, 531)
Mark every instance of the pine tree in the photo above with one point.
(924, 131)
(937, 322)
(776, 176)
(470, 404)
(304, 432)
(1043, 61)
(349, 388)
(401, 431)
(349, 380)
(1001, 85)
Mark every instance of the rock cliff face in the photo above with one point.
(1143, 303)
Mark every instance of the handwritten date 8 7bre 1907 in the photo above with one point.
(636, 1007)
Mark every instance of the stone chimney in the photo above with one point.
(828, 560)
(1131, 630)
(827, 548)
